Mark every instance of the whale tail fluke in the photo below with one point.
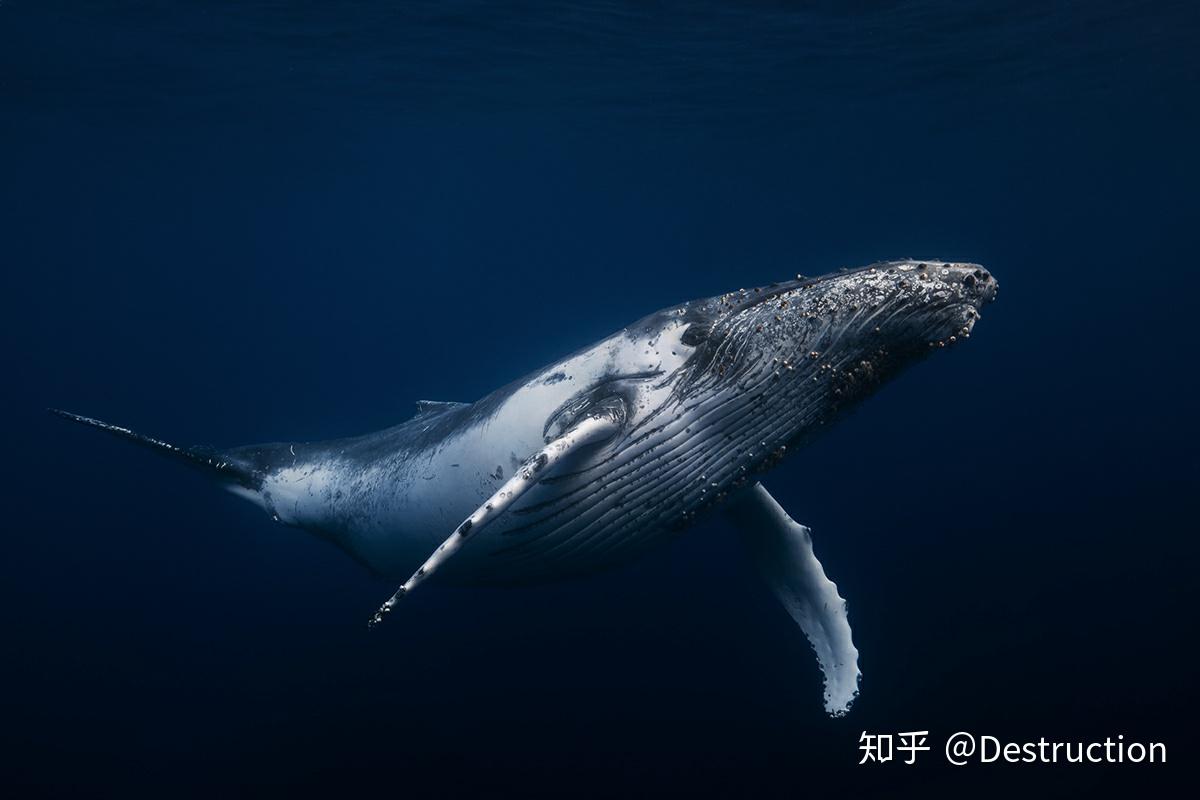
(206, 459)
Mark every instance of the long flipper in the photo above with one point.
(784, 552)
(588, 430)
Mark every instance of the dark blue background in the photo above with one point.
(235, 222)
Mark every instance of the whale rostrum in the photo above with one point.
(587, 462)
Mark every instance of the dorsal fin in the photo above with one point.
(427, 407)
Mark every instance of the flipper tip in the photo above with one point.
(383, 611)
(386, 608)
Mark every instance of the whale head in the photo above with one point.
(886, 314)
(791, 356)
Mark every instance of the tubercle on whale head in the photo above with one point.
(828, 341)
(908, 304)
(911, 302)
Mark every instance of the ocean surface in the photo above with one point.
(226, 223)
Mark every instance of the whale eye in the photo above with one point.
(699, 329)
(695, 335)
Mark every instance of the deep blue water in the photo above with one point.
(235, 222)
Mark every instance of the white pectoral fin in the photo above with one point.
(588, 430)
(784, 552)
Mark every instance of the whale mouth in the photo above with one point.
(971, 287)
(954, 324)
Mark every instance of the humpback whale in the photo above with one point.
(588, 461)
